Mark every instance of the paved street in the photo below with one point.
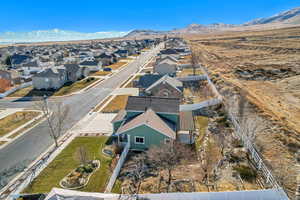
(29, 146)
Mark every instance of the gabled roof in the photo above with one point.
(169, 80)
(51, 72)
(89, 63)
(147, 80)
(150, 119)
(120, 116)
(168, 59)
(158, 104)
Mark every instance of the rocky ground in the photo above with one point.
(264, 66)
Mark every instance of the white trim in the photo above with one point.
(135, 142)
(167, 140)
(161, 132)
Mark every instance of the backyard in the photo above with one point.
(65, 162)
(13, 121)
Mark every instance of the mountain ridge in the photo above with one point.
(55, 35)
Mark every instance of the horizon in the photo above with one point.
(125, 17)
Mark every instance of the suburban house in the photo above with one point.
(93, 66)
(165, 68)
(169, 51)
(75, 72)
(147, 121)
(167, 59)
(146, 81)
(31, 68)
(122, 52)
(105, 58)
(166, 87)
(19, 59)
(50, 78)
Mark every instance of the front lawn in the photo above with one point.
(13, 121)
(101, 73)
(64, 163)
(74, 87)
(68, 88)
(118, 103)
(116, 65)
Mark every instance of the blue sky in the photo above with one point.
(125, 15)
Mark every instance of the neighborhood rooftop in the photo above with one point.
(157, 104)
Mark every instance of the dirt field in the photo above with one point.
(266, 66)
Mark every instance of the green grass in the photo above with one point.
(201, 124)
(117, 187)
(13, 121)
(64, 163)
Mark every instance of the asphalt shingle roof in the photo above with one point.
(151, 119)
(157, 104)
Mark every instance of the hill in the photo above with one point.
(291, 17)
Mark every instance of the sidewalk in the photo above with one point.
(9, 111)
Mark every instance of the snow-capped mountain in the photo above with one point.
(291, 16)
(54, 35)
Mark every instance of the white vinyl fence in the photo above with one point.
(117, 169)
(8, 92)
(259, 163)
(254, 155)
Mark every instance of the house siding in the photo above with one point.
(165, 90)
(152, 137)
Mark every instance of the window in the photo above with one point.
(139, 140)
(167, 141)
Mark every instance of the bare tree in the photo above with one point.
(168, 156)
(81, 155)
(194, 61)
(139, 172)
(250, 126)
(208, 160)
(56, 119)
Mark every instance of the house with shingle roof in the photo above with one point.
(50, 78)
(147, 121)
(166, 86)
(92, 65)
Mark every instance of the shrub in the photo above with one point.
(80, 169)
(88, 168)
(237, 143)
(246, 172)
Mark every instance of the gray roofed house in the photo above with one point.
(158, 104)
(166, 87)
(50, 78)
(167, 59)
(149, 118)
(148, 79)
(147, 121)
(165, 68)
(92, 65)
(75, 72)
